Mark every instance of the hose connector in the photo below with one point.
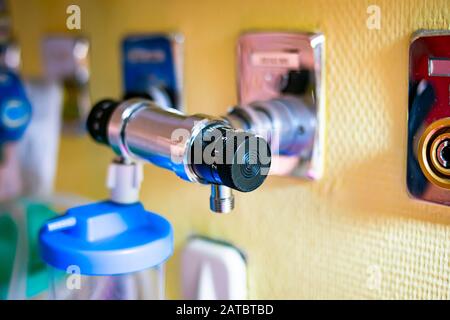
(221, 199)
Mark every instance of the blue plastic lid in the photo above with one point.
(15, 109)
(106, 238)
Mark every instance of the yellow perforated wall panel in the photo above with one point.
(354, 234)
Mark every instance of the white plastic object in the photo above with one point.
(124, 181)
(213, 270)
(38, 148)
(160, 97)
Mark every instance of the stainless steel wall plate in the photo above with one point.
(277, 68)
(66, 61)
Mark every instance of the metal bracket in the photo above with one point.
(66, 61)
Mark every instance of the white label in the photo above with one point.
(141, 55)
(276, 59)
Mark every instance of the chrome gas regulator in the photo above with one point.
(198, 148)
(227, 152)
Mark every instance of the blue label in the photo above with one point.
(148, 62)
(15, 109)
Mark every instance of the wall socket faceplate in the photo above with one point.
(153, 67)
(428, 154)
(66, 61)
(276, 64)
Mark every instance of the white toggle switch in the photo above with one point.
(212, 270)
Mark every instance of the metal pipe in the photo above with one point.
(140, 129)
(287, 123)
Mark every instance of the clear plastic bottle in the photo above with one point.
(107, 251)
(140, 285)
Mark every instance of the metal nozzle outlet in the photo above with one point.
(241, 161)
(222, 199)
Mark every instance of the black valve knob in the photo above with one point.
(233, 158)
(97, 121)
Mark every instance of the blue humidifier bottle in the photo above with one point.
(113, 249)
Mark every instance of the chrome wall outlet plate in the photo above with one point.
(275, 65)
(152, 67)
(66, 61)
(428, 154)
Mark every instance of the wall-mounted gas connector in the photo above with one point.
(428, 164)
(281, 97)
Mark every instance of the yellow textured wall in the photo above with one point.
(303, 240)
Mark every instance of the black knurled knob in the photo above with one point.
(97, 121)
(243, 159)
